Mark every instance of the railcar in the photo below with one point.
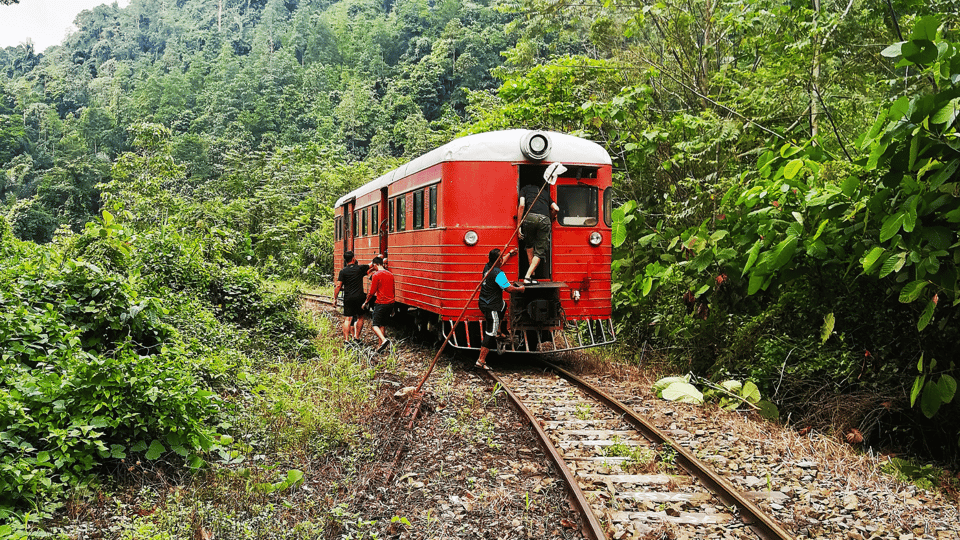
(438, 216)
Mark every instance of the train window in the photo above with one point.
(578, 205)
(356, 228)
(433, 206)
(608, 206)
(336, 229)
(375, 219)
(580, 173)
(390, 221)
(363, 222)
(418, 209)
(402, 213)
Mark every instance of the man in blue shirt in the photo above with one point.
(491, 301)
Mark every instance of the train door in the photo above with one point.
(349, 225)
(382, 226)
(532, 175)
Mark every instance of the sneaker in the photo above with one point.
(384, 346)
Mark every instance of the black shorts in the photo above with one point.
(380, 314)
(353, 306)
(491, 326)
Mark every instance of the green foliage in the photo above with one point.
(809, 266)
(88, 375)
(924, 476)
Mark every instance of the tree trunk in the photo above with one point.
(815, 82)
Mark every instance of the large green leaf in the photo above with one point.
(915, 390)
(702, 261)
(920, 51)
(682, 392)
(756, 283)
(870, 260)
(892, 264)
(768, 410)
(944, 174)
(911, 291)
(618, 229)
(750, 392)
(827, 329)
(947, 114)
(647, 285)
(156, 450)
(891, 226)
(948, 388)
(659, 386)
(752, 256)
(930, 399)
(784, 252)
(926, 316)
(926, 28)
(792, 168)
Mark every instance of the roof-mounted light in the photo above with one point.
(535, 145)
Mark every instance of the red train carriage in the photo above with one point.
(438, 216)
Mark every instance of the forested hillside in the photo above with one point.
(786, 176)
(251, 103)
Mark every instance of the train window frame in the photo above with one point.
(433, 206)
(608, 206)
(591, 203)
(336, 228)
(363, 222)
(390, 222)
(356, 229)
(418, 209)
(375, 219)
(402, 212)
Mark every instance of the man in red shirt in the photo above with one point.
(381, 287)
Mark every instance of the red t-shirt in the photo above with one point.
(381, 286)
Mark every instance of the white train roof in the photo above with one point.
(491, 146)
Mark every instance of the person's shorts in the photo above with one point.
(535, 229)
(380, 314)
(491, 326)
(353, 306)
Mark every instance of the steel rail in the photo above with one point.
(762, 524)
(318, 298)
(591, 528)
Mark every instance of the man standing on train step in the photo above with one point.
(535, 227)
(381, 287)
(491, 301)
(350, 280)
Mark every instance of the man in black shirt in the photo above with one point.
(535, 228)
(491, 302)
(351, 281)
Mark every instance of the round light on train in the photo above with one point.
(595, 238)
(471, 238)
(535, 145)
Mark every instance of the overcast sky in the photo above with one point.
(46, 22)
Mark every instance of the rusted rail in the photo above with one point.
(766, 527)
(591, 527)
(309, 298)
(545, 394)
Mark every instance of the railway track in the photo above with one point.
(609, 457)
(625, 476)
(316, 299)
